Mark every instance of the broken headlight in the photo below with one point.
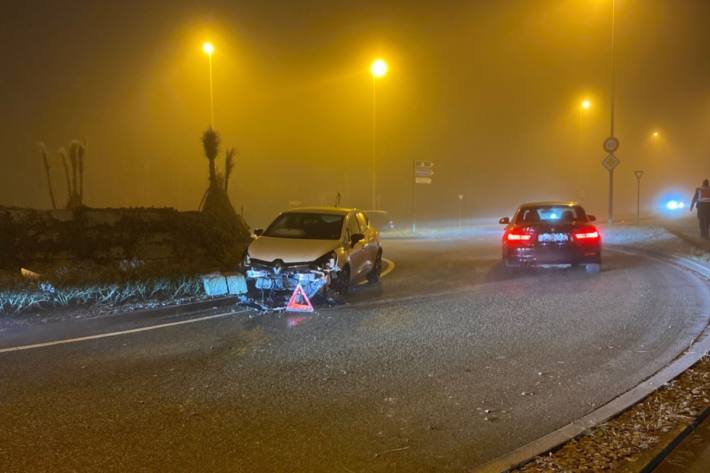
(246, 260)
(328, 261)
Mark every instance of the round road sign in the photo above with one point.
(611, 144)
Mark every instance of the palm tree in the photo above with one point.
(210, 143)
(75, 178)
(215, 201)
(45, 158)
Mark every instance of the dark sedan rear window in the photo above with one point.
(549, 214)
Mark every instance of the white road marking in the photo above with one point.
(390, 267)
(67, 341)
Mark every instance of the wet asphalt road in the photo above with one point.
(447, 363)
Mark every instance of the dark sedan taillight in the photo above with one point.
(517, 237)
(586, 235)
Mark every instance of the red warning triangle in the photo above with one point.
(299, 301)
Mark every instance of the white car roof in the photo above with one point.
(321, 210)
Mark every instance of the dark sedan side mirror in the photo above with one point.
(504, 221)
(355, 238)
(591, 218)
(259, 231)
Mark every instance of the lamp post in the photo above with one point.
(584, 106)
(639, 174)
(378, 69)
(613, 104)
(208, 49)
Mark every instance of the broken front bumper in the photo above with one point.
(278, 278)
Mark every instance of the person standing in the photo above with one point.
(701, 200)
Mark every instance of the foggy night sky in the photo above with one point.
(489, 91)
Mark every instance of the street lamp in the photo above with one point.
(208, 48)
(585, 105)
(378, 69)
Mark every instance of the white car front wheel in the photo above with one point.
(341, 282)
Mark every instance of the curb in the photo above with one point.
(677, 439)
(616, 406)
(693, 241)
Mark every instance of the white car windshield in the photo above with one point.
(309, 226)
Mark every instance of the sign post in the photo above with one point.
(460, 205)
(611, 144)
(422, 174)
(639, 174)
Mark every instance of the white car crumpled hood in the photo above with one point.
(290, 250)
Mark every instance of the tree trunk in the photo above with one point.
(213, 173)
(228, 167)
(81, 178)
(49, 181)
(63, 154)
(72, 155)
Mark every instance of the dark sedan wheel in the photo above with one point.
(511, 268)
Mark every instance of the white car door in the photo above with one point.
(357, 252)
(371, 242)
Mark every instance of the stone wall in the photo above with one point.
(39, 238)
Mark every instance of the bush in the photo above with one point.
(111, 256)
(194, 240)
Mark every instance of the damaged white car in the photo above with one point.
(322, 249)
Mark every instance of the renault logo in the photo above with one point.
(278, 266)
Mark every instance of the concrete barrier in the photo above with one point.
(218, 284)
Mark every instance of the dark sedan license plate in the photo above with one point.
(552, 237)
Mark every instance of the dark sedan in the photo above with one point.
(551, 233)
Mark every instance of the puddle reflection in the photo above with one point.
(296, 320)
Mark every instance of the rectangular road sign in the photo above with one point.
(422, 180)
(424, 169)
(423, 164)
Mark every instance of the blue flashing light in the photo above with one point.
(675, 205)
